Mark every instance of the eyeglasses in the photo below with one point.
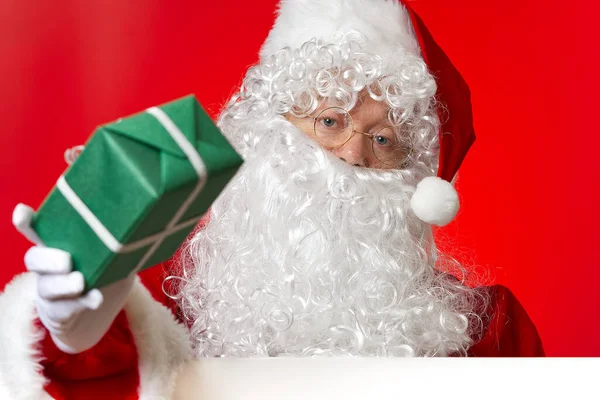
(334, 127)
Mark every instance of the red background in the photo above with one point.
(529, 187)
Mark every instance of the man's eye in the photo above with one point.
(382, 140)
(331, 123)
(328, 122)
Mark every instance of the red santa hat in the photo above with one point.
(392, 28)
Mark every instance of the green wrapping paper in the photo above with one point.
(138, 182)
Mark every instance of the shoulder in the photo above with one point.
(163, 280)
(507, 330)
(157, 280)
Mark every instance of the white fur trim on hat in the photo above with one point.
(435, 201)
(384, 23)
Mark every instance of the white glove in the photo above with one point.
(76, 322)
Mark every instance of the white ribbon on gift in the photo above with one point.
(173, 226)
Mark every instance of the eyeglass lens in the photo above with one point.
(333, 127)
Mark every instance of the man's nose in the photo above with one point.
(356, 151)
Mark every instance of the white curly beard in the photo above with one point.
(305, 255)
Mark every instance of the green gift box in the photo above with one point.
(137, 190)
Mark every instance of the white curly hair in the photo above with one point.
(306, 255)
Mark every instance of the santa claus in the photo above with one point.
(353, 125)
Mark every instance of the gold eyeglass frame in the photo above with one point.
(352, 131)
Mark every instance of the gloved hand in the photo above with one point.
(76, 321)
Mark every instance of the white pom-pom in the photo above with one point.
(435, 201)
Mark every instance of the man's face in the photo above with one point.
(371, 130)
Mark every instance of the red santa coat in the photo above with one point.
(139, 356)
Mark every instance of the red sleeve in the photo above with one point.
(108, 370)
(509, 331)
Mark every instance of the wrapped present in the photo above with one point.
(137, 190)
